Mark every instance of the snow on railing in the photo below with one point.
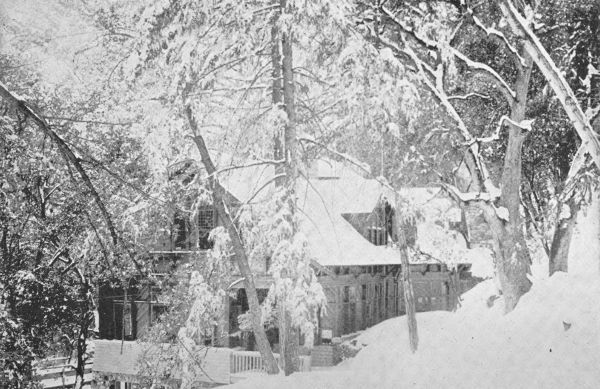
(242, 361)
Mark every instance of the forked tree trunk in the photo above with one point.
(561, 241)
(219, 196)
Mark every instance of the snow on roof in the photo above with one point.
(249, 184)
(332, 240)
(330, 192)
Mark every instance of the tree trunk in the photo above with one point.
(288, 335)
(561, 242)
(503, 244)
(287, 64)
(513, 263)
(219, 196)
(564, 93)
(277, 92)
(84, 326)
(533, 46)
(409, 296)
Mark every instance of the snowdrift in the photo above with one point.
(551, 340)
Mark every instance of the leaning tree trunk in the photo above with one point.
(219, 196)
(561, 241)
(564, 93)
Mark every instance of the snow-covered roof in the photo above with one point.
(332, 240)
(249, 184)
(330, 191)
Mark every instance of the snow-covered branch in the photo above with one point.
(265, 185)
(524, 125)
(74, 120)
(234, 283)
(469, 95)
(555, 78)
(349, 159)
(428, 43)
(21, 106)
(592, 113)
(437, 89)
(433, 80)
(470, 196)
(509, 94)
(492, 32)
(257, 163)
(577, 163)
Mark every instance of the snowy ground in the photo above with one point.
(551, 340)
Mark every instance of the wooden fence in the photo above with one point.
(60, 373)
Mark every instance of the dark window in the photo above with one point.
(363, 294)
(179, 234)
(122, 320)
(410, 231)
(346, 294)
(389, 219)
(206, 223)
(377, 236)
(157, 311)
(457, 226)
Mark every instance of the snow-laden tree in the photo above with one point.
(270, 234)
(445, 43)
(553, 198)
(208, 68)
(63, 124)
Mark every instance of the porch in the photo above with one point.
(119, 368)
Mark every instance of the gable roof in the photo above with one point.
(332, 240)
(330, 190)
(327, 191)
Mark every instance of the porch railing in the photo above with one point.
(242, 361)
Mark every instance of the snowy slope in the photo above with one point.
(551, 340)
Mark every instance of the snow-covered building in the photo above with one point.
(348, 222)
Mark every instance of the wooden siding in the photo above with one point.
(355, 302)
